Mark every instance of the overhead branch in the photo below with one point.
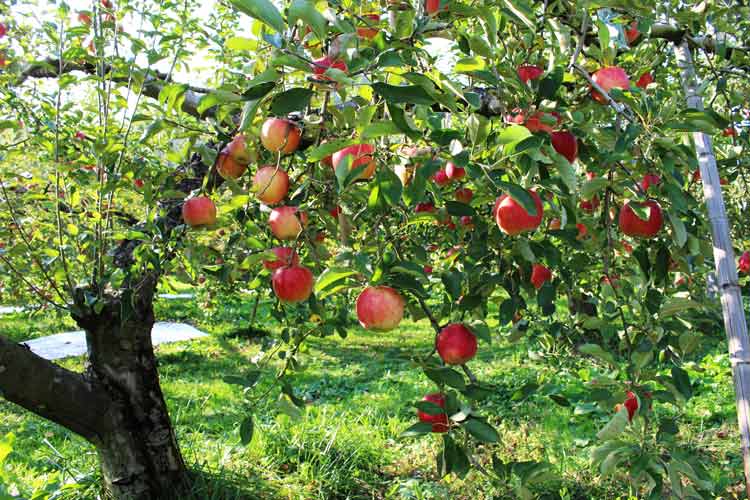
(153, 81)
(50, 391)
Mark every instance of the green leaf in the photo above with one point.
(458, 209)
(512, 134)
(257, 91)
(215, 98)
(679, 233)
(592, 187)
(240, 43)
(306, 11)
(446, 376)
(682, 382)
(247, 429)
(615, 426)
(481, 430)
(520, 10)
(263, 10)
(453, 458)
(380, 129)
(452, 282)
(414, 94)
(328, 148)
(332, 276)
(596, 351)
(295, 99)
(399, 119)
(429, 408)
(418, 429)
(674, 305)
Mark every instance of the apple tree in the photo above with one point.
(525, 165)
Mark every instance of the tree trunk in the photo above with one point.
(138, 450)
(726, 269)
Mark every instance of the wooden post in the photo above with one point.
(726, 269)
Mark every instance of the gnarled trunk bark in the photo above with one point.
(138, 450)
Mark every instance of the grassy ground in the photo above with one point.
(360, 393)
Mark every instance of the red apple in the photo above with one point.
(516, 116)
(649, 180)
(335, 211)
(369, 32)
(80, 136)
(285, 256)
(278, 134)
(632, 33)
(84, 18)
(380, 308)
(542, 122)
(464, 195)
(427, 269)
(744, 263)
(528, 72)
(440, 421)
(555, 224)
(566, 144)
(285, 224)
(433, 6)
(441, 178)
(467, 221)
(590, 205)
(582, 231)
(199, 211)
(632, 225)
(454, 172)
(644, 81)
(320, 66)
(361, 155)
(456, 344)
(424, 207)
(608, 78)
(631, 404)
(227, 167)
(540, 274)
(513, 219)
(239, 150)
(138, 183)
(729, 132)
(270, 184)
(292, 283)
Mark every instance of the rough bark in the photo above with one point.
(138, 452)
(724, 262)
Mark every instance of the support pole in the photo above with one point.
(726, 270)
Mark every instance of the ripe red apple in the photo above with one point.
(649, 180)
(270, 184)
(744, 263)
(3, 29)
(80, 136)
(440, 421)
(361, 155)
(566, 144)
(380, 308)
(513, 219)
(540, 274)
(285, 224)
(590, 205)
(467, 221)
(227, 166)
(464, 195)
(541, 122)
(454, 172)
(321, 65)
(528, 72)
(729, 132)
(441, 178)
(555, 224)
(632, 225)
(433, 6)
(278, 134)
(335, 211)
(426, 206)
(582, 231)
(138, 183)
(369, 32)
(84, 18)
(199, 211)
(239, 150)
(292, 283)
(631, 404)
(608, 78)
(644, 81)
(632, 33)
(427, 269)
(285, 256)
(456, 344)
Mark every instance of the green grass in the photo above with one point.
(359, 393)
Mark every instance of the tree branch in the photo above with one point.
(50, 391)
